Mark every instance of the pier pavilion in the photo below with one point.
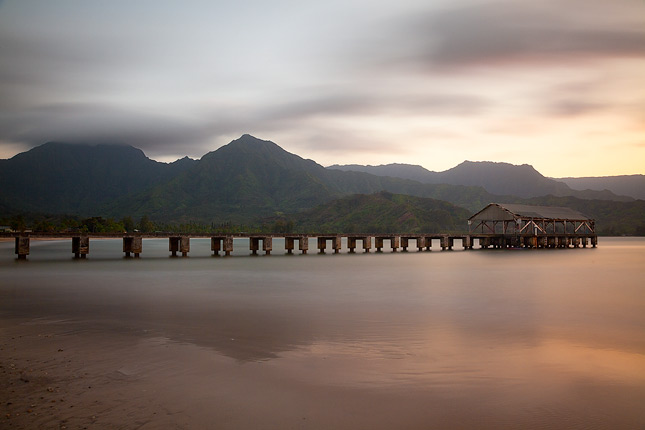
(515, 225)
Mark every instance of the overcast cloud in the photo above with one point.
(430, 83)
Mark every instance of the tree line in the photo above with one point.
(98, 224)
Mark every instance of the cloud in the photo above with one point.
(359, 102)
(519, 33)
(88, 123)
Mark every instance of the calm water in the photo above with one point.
(505, 339)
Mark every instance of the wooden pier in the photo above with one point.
(497, 226)
(180, 243)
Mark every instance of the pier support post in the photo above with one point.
(80, 246)
(303, 244)
(561, 242)
(594, 241)
(322, 244)
(351, 244)
(184, 246)
(216, 245)
(367, 243)
(550, 242)
(378, 244)
(404, 244)
(336, 244)
(467, 242)
(446, 242)
(132, 245)
(427, 242)
(394, 243)
(254, 245)
(228, 245)
(173, 245)
(421, 243)
(584, 241)
(288, 244)
(267, 245)
(22, 247)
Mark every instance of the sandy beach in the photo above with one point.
(60, 375)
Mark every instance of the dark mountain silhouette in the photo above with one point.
(252, 178)
(626, 185)
(60, 177)
(249, 180)
(497, 178)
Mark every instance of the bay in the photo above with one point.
(442, 339)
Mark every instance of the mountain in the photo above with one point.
(383, 213)
(394, 170)
(250, 178)
(627, 185)
(242, 181)
(65, 178)
(497, 178)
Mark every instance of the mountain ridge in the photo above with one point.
(496, 177)
(240, 183)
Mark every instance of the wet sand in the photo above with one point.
(56, 374)
(61, 374)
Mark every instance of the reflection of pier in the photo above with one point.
(180, 243)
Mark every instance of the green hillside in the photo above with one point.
(383, 213)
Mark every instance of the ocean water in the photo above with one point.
(442, 339)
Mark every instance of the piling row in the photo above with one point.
(133, 245)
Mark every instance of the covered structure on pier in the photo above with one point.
(518, 219)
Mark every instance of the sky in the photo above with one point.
(558, 84)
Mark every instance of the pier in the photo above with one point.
(497, 226)
(354, 243)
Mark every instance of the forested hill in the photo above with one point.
(383, 213)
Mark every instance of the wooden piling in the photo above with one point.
(378, 243)
(216, 245)
(446, 242)
(132, 245)
(80, 246)
(367, 243)
(22, 247)
(289, 244)
(254, 245)
(228, 245)
(351, 244)
(184, 245)
(322, 244)
(267, 245)
(303, 244)
(467, 242)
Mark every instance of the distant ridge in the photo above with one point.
(497, 178)
(628, 185)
